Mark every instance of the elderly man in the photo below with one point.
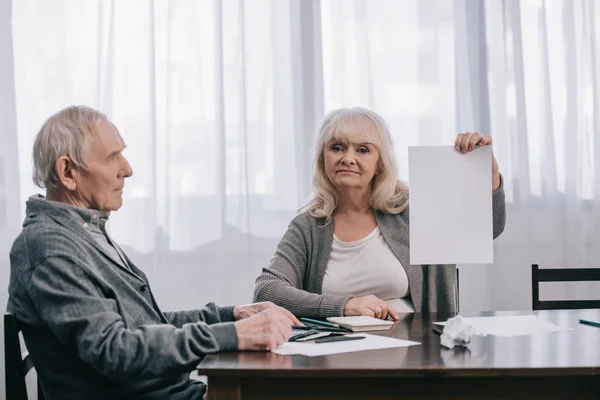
(91, 323)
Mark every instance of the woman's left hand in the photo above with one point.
(469, 141)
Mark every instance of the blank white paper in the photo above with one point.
(512, 325)
(371, 342)
(450, 205)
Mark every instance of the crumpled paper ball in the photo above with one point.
(458, 332)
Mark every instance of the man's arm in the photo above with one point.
(210, 314)
(89, 324)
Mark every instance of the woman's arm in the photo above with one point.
(282, 281)
(499, 209)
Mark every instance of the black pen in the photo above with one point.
(337, 338)
(303, 327)
(590, 323)
(302, 335)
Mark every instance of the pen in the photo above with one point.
(317, 322)
(320, 328)
(302, 335)
(337, 338)
(591, 323)
(302, 327)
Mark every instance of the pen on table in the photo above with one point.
(321, 329)
(302, 335)
(337, 339)
(302, 327)
(317, 322)
(590, 323)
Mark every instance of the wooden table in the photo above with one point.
(560, 365)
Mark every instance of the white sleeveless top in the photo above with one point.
(367, 266)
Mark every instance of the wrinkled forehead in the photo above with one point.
(106, 137)
(106, 130)
(355, 129)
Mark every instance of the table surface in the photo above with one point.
(574, 353)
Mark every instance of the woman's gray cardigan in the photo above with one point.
(294, 277)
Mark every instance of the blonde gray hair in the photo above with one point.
(357, 125)
(66, 133)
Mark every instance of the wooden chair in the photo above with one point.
(16, 364)
(561, 275)
(457, 292)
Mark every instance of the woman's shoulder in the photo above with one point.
(384, 216)
(305, 221)
(392, 215)
(306, 228)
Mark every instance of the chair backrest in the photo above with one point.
(457, 292)
(16, 364)
(561, 275)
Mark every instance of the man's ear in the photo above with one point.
(64, 172)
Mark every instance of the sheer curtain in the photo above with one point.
(421, 66)
(204, 94)
(544, 100)
(544, 94)
(218, 101)
(525, 72)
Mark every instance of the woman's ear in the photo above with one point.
(64, 171)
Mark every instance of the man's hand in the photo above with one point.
(248, 310)
(265, 330)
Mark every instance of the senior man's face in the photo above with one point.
(101, 184)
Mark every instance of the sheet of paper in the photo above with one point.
(512, 325)
(450, 205)
(371, 342)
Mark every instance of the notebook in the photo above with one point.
(362, 323)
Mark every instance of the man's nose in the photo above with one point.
(127, 171)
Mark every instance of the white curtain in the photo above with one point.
(204, 94)
(218, 101)
(543, 66)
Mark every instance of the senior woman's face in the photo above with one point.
(350, 165)
(101, 184)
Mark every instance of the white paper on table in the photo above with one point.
(450, 205)
(512, 325)
(371, 342)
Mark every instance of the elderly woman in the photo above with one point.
(346, 253)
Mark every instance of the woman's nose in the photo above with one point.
(348, 158)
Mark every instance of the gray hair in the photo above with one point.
(66, 133)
